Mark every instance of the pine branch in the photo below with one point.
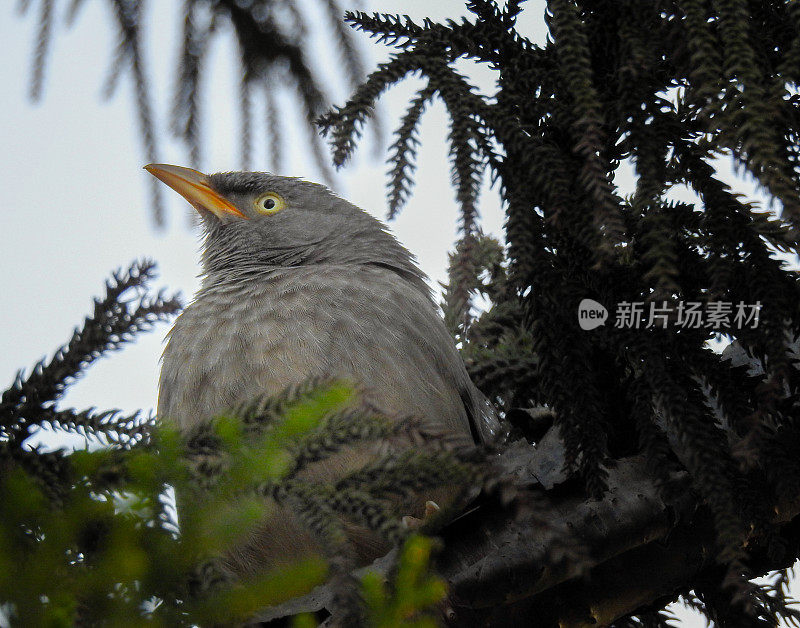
(573, 53)
(106, 427)
(42, 45)
(392, 30)
(128, 14)
(113, 323)
(273, 122)
(354, 66)
(185, 115)
(403, 153)
(74, 9)
(246, 118)
(344, 124)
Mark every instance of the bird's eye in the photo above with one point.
(269, 203)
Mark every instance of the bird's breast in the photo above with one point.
(236, 341)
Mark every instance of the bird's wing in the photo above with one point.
(483, 420)
(392, 336)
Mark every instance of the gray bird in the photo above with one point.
(298, 282)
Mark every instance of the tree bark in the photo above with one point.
(566, 560)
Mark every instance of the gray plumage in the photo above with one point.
(318, 288)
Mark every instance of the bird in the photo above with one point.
(297, 282)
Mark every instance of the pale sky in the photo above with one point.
(75, 197)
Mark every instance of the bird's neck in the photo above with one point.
(244, 280)
(239, 275)
(224, 264)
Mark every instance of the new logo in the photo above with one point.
(591, 314)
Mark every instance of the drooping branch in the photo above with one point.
(274, 53)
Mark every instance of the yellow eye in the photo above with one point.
(269, 203)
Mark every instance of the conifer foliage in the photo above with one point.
(30, 403)
(668, 87)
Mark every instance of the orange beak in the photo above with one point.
(195, 188)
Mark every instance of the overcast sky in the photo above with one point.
(75, 197)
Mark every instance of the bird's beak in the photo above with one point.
(195, 188)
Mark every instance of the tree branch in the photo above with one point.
(570, 560)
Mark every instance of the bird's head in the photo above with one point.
(256, 220)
